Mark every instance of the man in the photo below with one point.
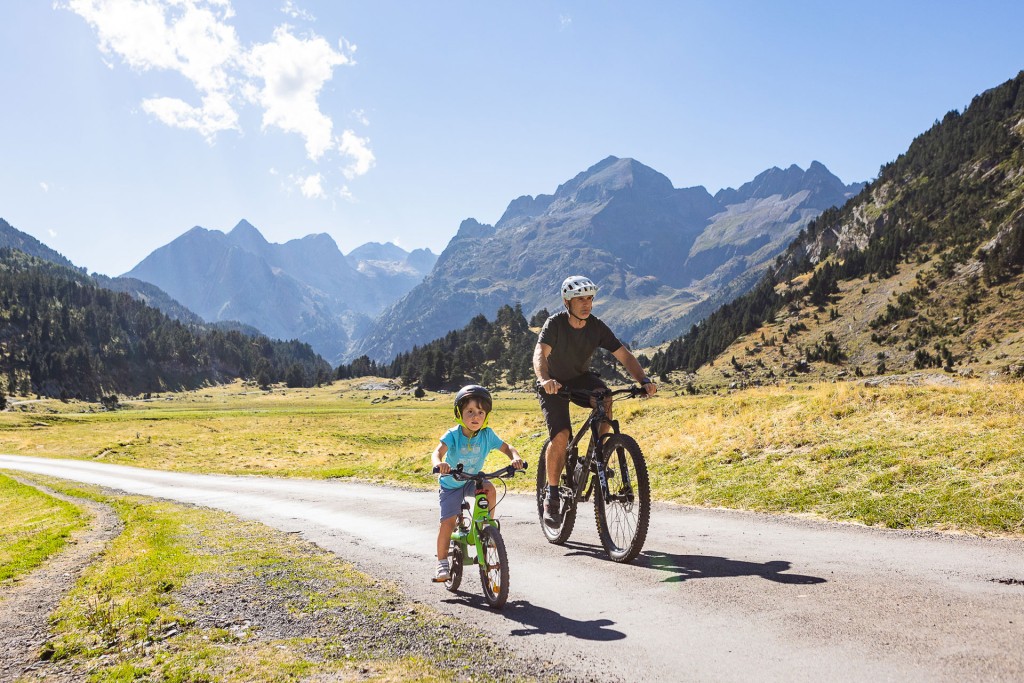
(562, 358)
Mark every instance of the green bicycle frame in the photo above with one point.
(471, 536)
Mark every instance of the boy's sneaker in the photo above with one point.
(553, 509)
(442, 574)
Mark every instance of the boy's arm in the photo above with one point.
(437, 458)
(513, 455)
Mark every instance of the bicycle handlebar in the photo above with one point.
(458, 475)
(634, 391)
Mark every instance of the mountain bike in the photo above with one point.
(478, 531)
(612, 469)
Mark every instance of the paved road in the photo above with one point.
(716, 595)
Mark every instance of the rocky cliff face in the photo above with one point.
(304, 289)
(656, 251)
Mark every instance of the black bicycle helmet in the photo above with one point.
(472, 391)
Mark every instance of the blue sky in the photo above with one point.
(127, 122)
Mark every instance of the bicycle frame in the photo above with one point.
(470, 536)
(590, 462)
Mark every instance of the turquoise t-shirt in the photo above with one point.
(471, 452)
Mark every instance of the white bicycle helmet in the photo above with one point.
(577, 285)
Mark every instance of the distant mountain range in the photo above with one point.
(305, 289)
(662, 257)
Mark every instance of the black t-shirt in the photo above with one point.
(571, 349)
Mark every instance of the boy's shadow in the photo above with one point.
(541, 621)
(686, 567)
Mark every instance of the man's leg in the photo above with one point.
(554, 456)
(554, 460)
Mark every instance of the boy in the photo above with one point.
(467, 443)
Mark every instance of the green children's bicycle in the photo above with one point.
(479, 533)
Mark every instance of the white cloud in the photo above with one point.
(190, 37)
(564, 21)
(293, 72)
(45, 186)
(52, 232)
(312, 186)
(357, 149)
(195, 39)
(296, 12)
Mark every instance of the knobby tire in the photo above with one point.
(494, 576)
(561, 534)
(622, 525)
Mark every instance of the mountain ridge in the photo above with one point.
(624, 225)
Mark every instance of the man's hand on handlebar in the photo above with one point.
(549, 386)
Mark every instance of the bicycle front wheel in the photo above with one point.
(624, 512)
(494, 571)
(560, 534)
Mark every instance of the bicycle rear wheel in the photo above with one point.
(556, 535)
(494, 573)
(455, 563)
(623, 518)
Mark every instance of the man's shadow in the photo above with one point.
(687, 567)
(541, 621)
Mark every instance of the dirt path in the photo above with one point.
(26, 604)
(716, 595)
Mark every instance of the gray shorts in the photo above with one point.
(451, 499)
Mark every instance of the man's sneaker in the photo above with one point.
(552, 510)
(442, 574)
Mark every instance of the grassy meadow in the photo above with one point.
(33, 526)
(929, 456)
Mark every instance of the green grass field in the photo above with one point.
(929, 456)
(33, 526)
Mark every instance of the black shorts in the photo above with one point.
(556, 408)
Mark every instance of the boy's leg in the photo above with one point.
(444, 535)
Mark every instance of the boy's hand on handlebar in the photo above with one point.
(442, 468)
(518, 463)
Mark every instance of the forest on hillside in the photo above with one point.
(482, 352)
(953, 197)
(63, 336)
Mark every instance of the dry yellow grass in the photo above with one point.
(903, 456)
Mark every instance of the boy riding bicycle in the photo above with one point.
(468, 444)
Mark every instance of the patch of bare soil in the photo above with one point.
(26, 603)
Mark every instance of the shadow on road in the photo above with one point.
(686, 567)
(540, 621)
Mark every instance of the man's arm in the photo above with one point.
(540, 368)
(632, 365)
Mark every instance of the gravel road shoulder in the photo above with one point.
(26, 603)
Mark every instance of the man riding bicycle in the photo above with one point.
(562, 358)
